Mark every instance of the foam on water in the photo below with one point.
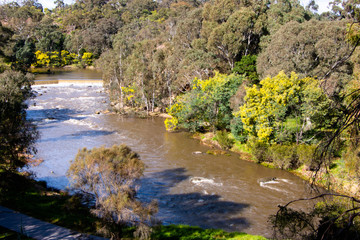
(200, 181)
(269, 185)
(285, 180)
(81, 123)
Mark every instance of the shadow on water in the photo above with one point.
(79, 135)
(190, 208)
(53, 115)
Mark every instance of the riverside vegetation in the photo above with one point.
(271, 79)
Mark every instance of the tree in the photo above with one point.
(337, 217)
(17, 134)
(109, 175)
(23, 54)
(284, 11)
(247, 66)
(59, 4)
(49, 37)
(310, 49)
(207, 105)
(270, 109)
(238, 36)
(5, 36)
(22, 19)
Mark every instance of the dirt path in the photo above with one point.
(37, 229)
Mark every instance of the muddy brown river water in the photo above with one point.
(196, 189)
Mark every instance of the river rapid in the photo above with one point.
(196, 189)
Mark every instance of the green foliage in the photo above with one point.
(207, 104)
(306, 154)
(284, 156)
(5, 36)
(237, 129)
(24, 54)
(223, 139)
(109, 175)
(310, 48)
(183, 232)
(49, 36)
(286, 109)
(247, 66)
(17, 134)
(56, 59)
(332, 218)
(34, 199)
(259, 150)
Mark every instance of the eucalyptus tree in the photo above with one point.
(5, 37)
(310, 49)
(48, 36)
(21, 18)
(238, 36)
(17, 133)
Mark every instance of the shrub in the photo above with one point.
(109, 174)
(284, 156)
(333, 218)
(224, 140)
(206, 106)
(352, 161)
(305, 154)
(247, 66)
(259, 150)
(237, 129)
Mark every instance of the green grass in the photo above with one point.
(31, 198)
(6, 234)
(184, 232)
(240, 147)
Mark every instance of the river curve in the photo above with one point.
(195, 189)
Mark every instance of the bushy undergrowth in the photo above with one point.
(329, 219)
(223, 139)
(259, 151)
(283, 156)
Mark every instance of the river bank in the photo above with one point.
(53, 70)
(337, 179)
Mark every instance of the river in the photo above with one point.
(196, 189)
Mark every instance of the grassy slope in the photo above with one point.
(29, 197)
(183, 232)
